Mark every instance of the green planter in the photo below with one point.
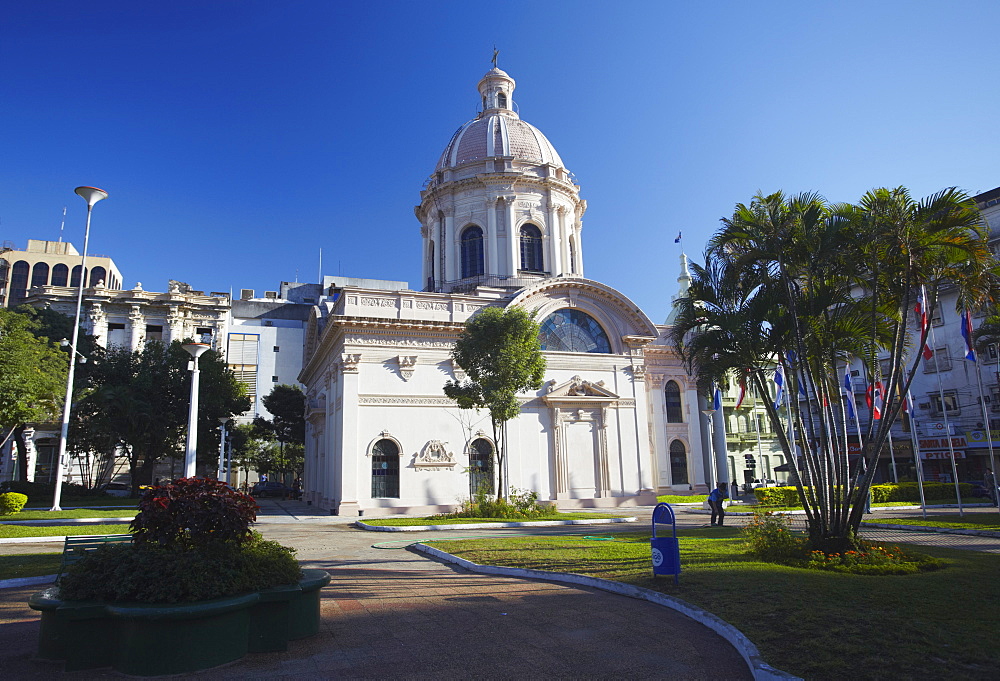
(154, 639)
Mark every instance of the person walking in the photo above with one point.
(715, 502)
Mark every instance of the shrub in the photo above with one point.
(777, 496)
(521, 504)
(12, 502)
(193, 512)
(768, 536)
(909, 491)
(152, 573)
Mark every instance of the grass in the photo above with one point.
(18, 531)
(816, 624)
(409, 522)
(29, 565)
(75, 513)
(681, 498)
(972, 521)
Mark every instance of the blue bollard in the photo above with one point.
(666, 551)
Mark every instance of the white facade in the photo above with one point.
(501, 225)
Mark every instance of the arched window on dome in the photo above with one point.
(60, 275)
(531, 249)
(502, 100)
(569, 330)
(572, 255)
(472, 252)
(430, 266)
(678, 463)
(672, 398)
(40, 274)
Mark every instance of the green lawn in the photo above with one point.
(29, 565)
(815, 624)
(75, 513)
(15, 531)
(409, 522)
(971, 521)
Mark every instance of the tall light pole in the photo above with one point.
(91, 195)
(196, 350)
(222, 449)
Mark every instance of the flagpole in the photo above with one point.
(916, 454)
(944, 412)
(986, 422)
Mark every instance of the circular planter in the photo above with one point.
(154, 639)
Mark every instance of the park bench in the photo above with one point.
(76, 547)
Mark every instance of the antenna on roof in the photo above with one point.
(319, 275)
(61, 226)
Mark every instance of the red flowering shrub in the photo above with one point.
(194, 512)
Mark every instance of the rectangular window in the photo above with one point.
(950, 402)
(885, 366)
(116, 336)
(274, 379)
(276, 348)
(241, 357)
(994, 398)
(941, 361)
(154, 332)
(991, 351)
(203, 334)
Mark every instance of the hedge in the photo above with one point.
(904, 491)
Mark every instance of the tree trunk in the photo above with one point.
(22, 453)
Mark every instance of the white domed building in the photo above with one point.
(501, 219)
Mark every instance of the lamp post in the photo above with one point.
(711, 449)
(196, 350)
(223, 468)
(91, 195)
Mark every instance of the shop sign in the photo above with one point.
(981, 438)
(941, 442)
(929, 456)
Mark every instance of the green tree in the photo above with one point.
(287, 405)
(32, 380)
(500, 352)
(800, 283)
(139, 405)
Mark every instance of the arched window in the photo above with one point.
(430, 266)
(74, 277)
(531, 249)
(98, 274)
(672, 396)
(60, 275)
(481, 467)
(678, 463)
(472, 252)
(385, 470)
(572, 256)
(19, 282)
(569, 330)
(40, 274)
(502, 100)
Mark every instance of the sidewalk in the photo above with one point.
(395, 614)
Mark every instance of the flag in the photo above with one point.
(873, 396)
(678, 239)
(849, 389)
(743, 393)
(922, 316)
(717, 400)
(970, 352)
(779, 382)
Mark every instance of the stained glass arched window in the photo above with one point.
(569, 330)
(385, 470)
(672, 397)
(678, 463)
(472, 252)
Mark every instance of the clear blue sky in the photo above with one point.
(236, 139)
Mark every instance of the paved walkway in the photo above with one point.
(396, 614)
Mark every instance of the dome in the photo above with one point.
(498, 134)
(498, 131)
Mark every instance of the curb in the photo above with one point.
(72, 521)
(938, 530)
(26, 581)
(761, 670)
(33, 540)
(489, 526)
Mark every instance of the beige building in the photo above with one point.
(51, 263)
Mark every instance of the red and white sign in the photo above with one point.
(941, 455)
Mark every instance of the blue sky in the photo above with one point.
(236, 139)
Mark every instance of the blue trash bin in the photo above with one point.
(666, 551)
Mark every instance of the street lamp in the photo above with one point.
(222, 449)
(711, 448)
(196, 350)
(91, 195)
